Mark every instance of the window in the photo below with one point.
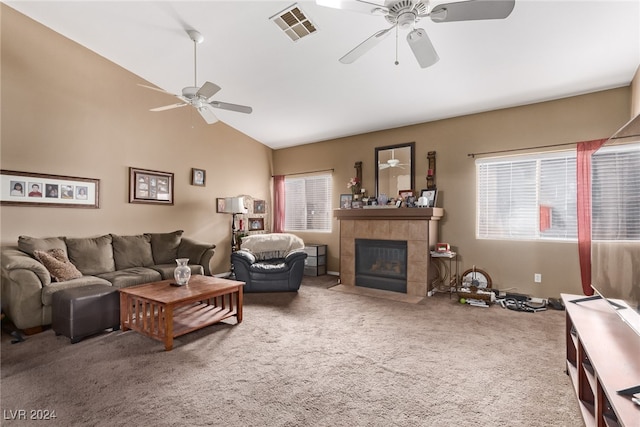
(533, 197)
(615, 193)
(308, 203)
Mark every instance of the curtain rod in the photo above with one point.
(303, 173)
(473, 155)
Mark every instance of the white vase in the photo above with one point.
(382, 199)
(182, 273)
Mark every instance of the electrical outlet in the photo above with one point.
(537, 278)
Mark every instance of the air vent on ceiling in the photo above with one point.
(294, 22)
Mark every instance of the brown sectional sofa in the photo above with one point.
(119, 261)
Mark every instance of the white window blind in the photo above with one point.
(308, 203)
(534, 197)
(615, 198)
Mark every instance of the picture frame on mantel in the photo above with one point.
(150, 186)
(37, 189)
(345, 201)
(431, 195)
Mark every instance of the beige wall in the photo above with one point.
(68, 111)
(510, 264)
(635, 94)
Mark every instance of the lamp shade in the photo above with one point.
(234, 205)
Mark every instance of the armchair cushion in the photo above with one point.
(269, 246)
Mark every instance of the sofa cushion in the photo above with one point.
(164, 246)
(31, 244)
(131, 277)
(132, 251)
(58, 265)
(92, 255)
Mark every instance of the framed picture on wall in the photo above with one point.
(220, 205)
(37, 189)
(198, 177)
(256, 224)
(259, 206)
(148, 186)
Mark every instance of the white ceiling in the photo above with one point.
(301, 94)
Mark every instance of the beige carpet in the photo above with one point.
(377, 293)
(315, 358)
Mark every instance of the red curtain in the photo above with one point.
(583, 166)
(278, 204)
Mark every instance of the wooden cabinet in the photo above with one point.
(603, 357)
(316, 262)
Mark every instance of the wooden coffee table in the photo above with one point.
(163, 312)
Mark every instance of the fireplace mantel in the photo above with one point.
(390, 213)
(417, 226)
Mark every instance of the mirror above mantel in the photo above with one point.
(395, 169)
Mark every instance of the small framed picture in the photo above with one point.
(198, 177)
(406, 193)
(256, 224)
(259, 207)
(398, 203)
(220, 205)
(430, 194)
(345, 201)
(356, 204)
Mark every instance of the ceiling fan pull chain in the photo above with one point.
(397, 46)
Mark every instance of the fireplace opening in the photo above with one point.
(382, 264)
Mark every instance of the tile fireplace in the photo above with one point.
(416, 227)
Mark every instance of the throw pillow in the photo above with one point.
(92, 255)
(132, 251)
(58, 265)
(165, 246)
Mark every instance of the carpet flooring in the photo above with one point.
(313, 358)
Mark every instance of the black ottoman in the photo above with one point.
(87, 310)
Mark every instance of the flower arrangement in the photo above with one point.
(354, 185)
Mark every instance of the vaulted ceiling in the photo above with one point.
(301, 94)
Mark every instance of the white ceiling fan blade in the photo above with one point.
(169, 107)
(356, 6)
(365, 46)
(472, 10)
(207, 90)
(157, 89)
(383, 166)
(422, 48)
(207, 114)
(232, 107)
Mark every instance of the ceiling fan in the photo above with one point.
(391, 163)
(200, 97)
(405, 14)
